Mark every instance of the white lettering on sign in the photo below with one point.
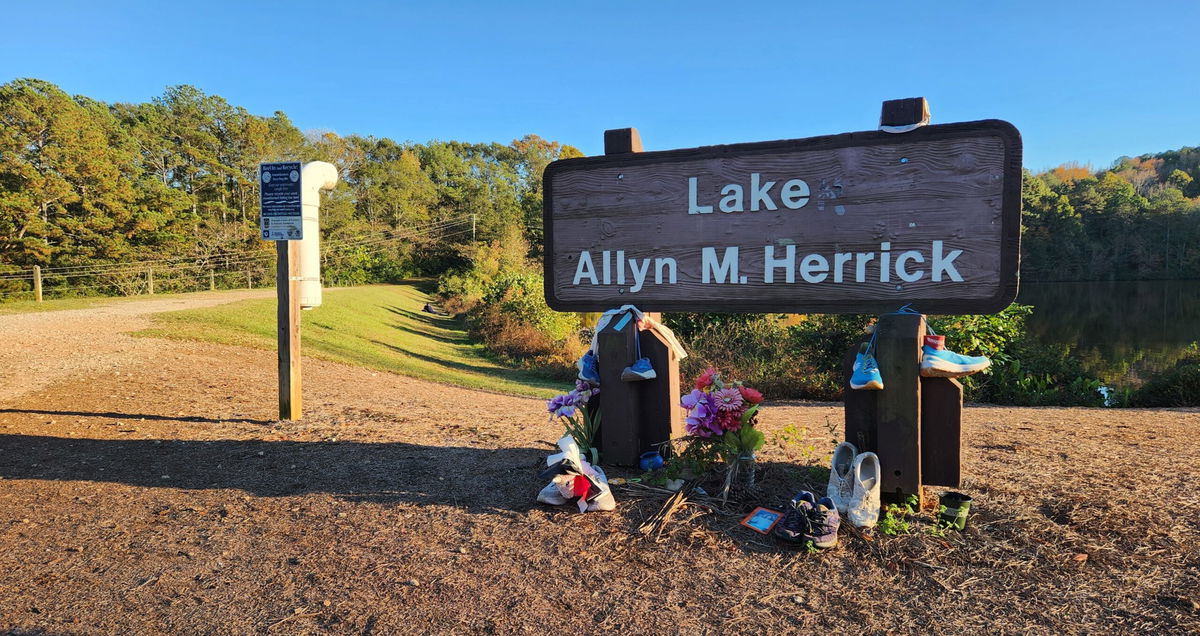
(794, 194)
(722, 266)
(726, 271)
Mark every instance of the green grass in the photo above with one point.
(59, 304)
(380, 327)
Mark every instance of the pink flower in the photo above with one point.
(728, 399)
(729, 420)
(705, 380)
(750, 395)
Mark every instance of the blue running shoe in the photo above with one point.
(866, 372)
(944, 363)
(639, 370)
(588, 371)
(823, 523)
(795, 526)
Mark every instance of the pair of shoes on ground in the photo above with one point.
(807, 519)
(936, 362)
(854, 485)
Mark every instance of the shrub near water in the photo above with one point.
(801, 356)
(1179, 386)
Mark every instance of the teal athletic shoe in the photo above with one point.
(866, 371)
(939, 362)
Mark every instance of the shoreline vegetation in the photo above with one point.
(126, 199)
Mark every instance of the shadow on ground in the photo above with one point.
(136, 416)
(475, 479)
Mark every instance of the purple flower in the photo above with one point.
(702, 413)
(585, 391)
(562, 405)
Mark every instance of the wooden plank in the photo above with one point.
(287, 285)
(619, 405)
(941, 432)
(868, 193)
(658, 399)
(862, 410)
(899, 417)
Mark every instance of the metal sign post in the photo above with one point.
(282, 222)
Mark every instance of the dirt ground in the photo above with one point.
(145, 487)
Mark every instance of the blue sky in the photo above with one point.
(1082, 81)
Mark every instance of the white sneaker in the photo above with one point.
(863, 510)
(841, 482)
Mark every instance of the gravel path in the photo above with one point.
(40, 349)
(146, 487)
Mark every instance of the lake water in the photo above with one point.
(1122, 331)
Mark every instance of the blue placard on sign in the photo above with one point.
(279, 198)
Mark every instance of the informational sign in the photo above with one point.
(854, 223)
(279, 198)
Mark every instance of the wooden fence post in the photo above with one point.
(150, 281)
(249, 280)
(212, 280)
(37, 283)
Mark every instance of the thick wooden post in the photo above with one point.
(621, 141)
(658, 399)
(862, 411)
(619, 441)
(212, 280)
(249, 280)
(898, 351)
(37, 283)
(150, 281)
(941, 432)
(287, 285)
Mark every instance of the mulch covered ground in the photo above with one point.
(162, 497)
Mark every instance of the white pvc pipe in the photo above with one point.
(314, 177)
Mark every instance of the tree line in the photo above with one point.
(1138, 220)
(84, 183)
(87, 184)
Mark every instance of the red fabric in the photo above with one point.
(580, 486)
(937, 342)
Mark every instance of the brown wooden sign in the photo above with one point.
(854, 223)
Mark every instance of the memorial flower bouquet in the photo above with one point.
(722, 413)
(580, 421)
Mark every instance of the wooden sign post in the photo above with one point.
(861, 222)
(287, 286)
(280, 188)
(638, 416)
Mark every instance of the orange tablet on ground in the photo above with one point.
(761, 520)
